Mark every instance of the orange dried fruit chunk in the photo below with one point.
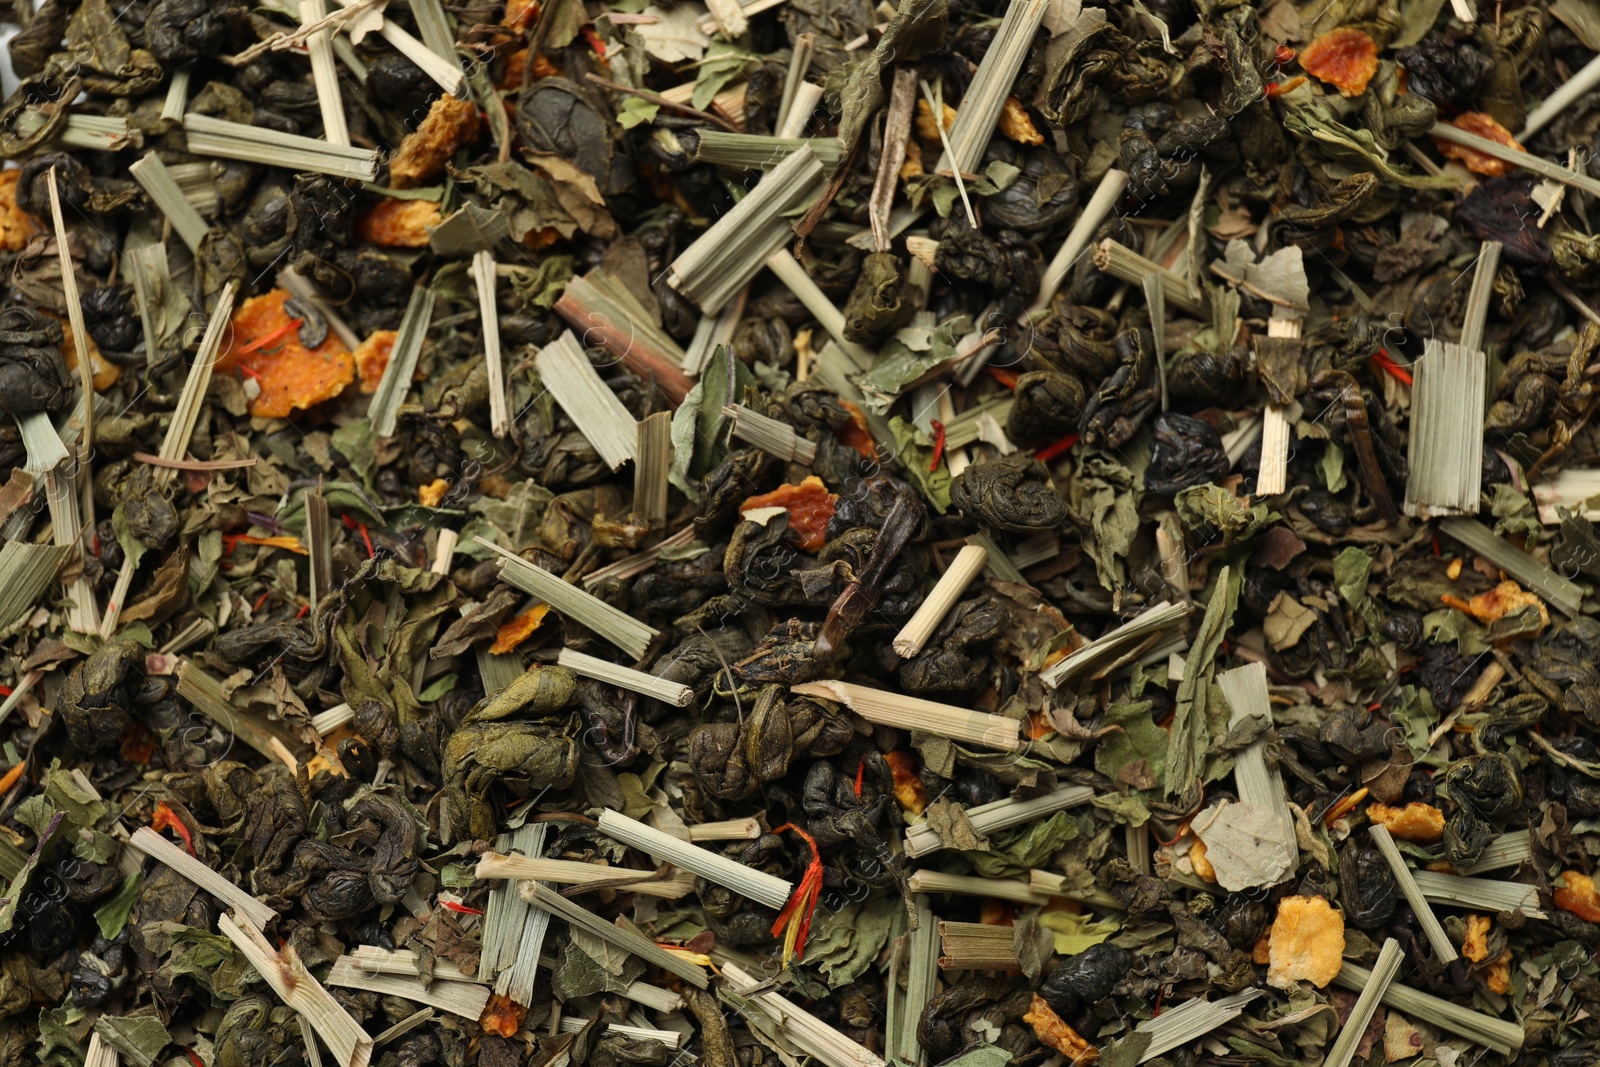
(372, 358)
(1052, 1030)
(429, 495)
(1475, 161)
(1578, 896)
(924, 121)
(399, 223)
(1475, 945)
(17, 227)
(855, 433)
(810, 508)
(1345, 58)
(908, 790)
(1202, 866)
(502, 1016)
(102, 372)
(1016, 124)
(519, 629)
(291, 376)
(451, 125)
(1507, 598)
(1498, 977)
(1419, 822)
(1306, 943)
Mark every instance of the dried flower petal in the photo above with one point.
(1507, 598)
(1345, 58)
(1475, 161)
(1306, 943)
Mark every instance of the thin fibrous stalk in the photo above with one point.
(283, 41)
(319, 545)
(772, 436)
(483, 274)
(587, 666)
(1526, 160)
(1444, 952)
(1124, 264)
(936, 109)
(208, 136)
(755, 885)
(1445, 446)
(665, 103)
(1477, 310)
(992, 82)
(1566, 596)
(638, 563)
(806, 99)
(746, 829)
(434, 27)
(1565, 95)
(728, 255)
(623, 937)
(896, 135)
(420, 1017)
(1355, 1025)
(404, 961)
(80, 333)
(1110, 646)
(618, 627)
(924, 840)
(967, 565)
(799, 63)
(1494, 1034)
(384, 410)
(1012, 889)
(1189, 1020)
(606, 314)
(324, 74)
(913, 713)
(976, 947)
(1508, 850)
(1258, 782)
(922, 980)
(651, 467)
(1484, 894)
(177, 101)
(206, 693)
(571, 1024)
(807, 1032)
(446, 73)
(758, 151)
(1100, 205)
(466, 999)
(1274, 472)
(829, 317)
(299, 989)
(607, 424)
(26, 571)
(160, 849)
(157, 181)
(673, 886)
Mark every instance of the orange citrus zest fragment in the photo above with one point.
(1306, 943)
(502, 1016)
(399, 223)
(372, 358)
(1344, 807)
(1475, 945)
(1345, 58)
(1498, 978)
(1202, 866)
(292, 377)
(1419, 822)
(1507, 598)
(1475, 161)
(908, 790)
(12, 776)
(1051, 1029)
(810, 508)
(429, 495)
(855, 432)
(1016, 124)
(513, 633)
(1578, 896)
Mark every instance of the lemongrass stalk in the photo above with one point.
(936, 109)
(800, 57)
(607, 314)
(97, 133)
(1190, 1020)
(922, 980)
(997, 815)
(1566, 596)
(404, 961)
(80, 333)
(728, 255)
(1565, 95)
(967, 565)
(513, 929)
(1508, 850)
(979, 115)
(566, 372)
(160, 849)
(913, 713)
(446, 73)
(420, 1017)
(100, 1053)
(896, 135)
(209, 136)
(747, 829)
(494, 866)
(804, 104)
(714, 331)
(652, 465)
(319, 546)
(297, 988)
(1110, 646)
(483, 274)
(571, 1024)
(466, 999)
(759, 886)
(335, 717)
(1464, 11)
(977, 947)
(1477, 310)
(444, 551)
(1355, 1025)
(1258, 782)
(1484, 894)
(1515, 156)
(804, 1030)
(324, 74)
(1494, 1034)
(434, 27)
(46, 451)
(1443, 950)
(205, 693)
(587, 666)
(1446, 442)
(772, 436)
(618, 627)
(1012, 889)
(639, 562)
(177, 101)
(625, 938)
(384, 410)
(26, 572)
(829, 317)
(1095, 212)
(1274, 473)
(1126, 265)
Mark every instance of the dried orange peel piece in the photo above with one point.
(502, 1016)
(1475, 945)
(1051, 1029)
(1345, 58)
(1016, 124)
(451, 125)
(855, 432)
(399, 223)
(908, 789)
(1306, 943)
(1507, 598)
(429, 495)
(1419, 822)
(17, 227)
(292, 377)
(519, 629)
(1197, 859)
(810, 508)
(1475, 161)
(1578, 896)
(372, 358)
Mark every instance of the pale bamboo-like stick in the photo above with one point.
(1525, 160)
(772, 436)
(208, 136)
(1355, 1026)
(967, 885)
(800, 56)
(1126, 265)
(1437, 938)
(493, 865)
(913, 713)
(1494, 1034)
(1485, 894)
(967, 565)
(319, 545)
(80, 334)
(483, 274)
(977, 947)
(571, 1024)
(1189, 1020)
(159, 848)
(1566, 94)
(1274, 473)
(800, 1027)
(156, 179)
(1100, 205)
(383, 411)
(830, 318)
(618, 627)
(100, 1054)
(335, 717)
(420, 1017)
(447, 74)
(806, 98)
(299, 989)
(625, 938)
(652, 462)
(324, 75)
(936, 109)
(1259, 783)
(403, 961)
(923, 840)
(1110, 647)
(727, 830)
(1507, 850)
(466, 999)
(759, 886)
(566, 371)
(1565, 595)
(444, 551)
(587, 666)
(1464, 11)
(639, 562)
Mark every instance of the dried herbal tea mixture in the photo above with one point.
(937, 533)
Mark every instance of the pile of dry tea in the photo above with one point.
(949, 533)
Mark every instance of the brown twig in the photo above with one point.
(656, 98)
(194, 464)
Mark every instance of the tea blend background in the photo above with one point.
(956, 533)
